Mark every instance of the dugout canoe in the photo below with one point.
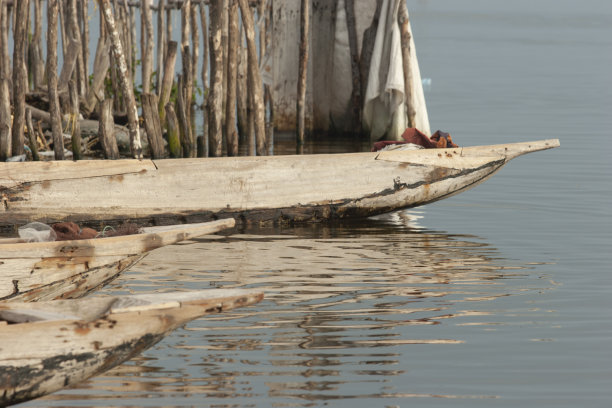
(46, 346)
(31, 271)
(283, 189)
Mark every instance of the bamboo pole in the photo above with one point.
(302, 71)
(19, 76)
(124, 78)
(146, 45)
(5, 98)
(232, 56)
(255, 78)
(215, 100)
(51, 68)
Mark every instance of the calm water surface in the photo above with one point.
(498, 297)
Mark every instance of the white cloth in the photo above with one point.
(384, 111)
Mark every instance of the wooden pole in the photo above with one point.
(232, 56)
(215, 100)
(124, 78)
(95, 93)
(83, 12)
(161, 46)
(4, 50)
(32, 135)
(203, 141)
(35, 57)
(166, 87)
(146, 44)
(302, 71)
(51, 68)
(404, 23)
(5, 98)
(255, 78)
(172, 128)
(356, 95)
(20, 76)
(152, 124)
(106, 131)
(74, 120)
(242, 92)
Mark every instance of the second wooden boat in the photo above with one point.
(46, 346)
(282, 189)
(70, 269)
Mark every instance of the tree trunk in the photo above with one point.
(19, 76)
(106, 131)
(232, 55)
(215, 100)
(51, 68)
(255, 78)
(124, 78)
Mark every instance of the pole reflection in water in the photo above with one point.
(376, 311)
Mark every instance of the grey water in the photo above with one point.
(498, 297)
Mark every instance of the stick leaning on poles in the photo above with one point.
(124, 78)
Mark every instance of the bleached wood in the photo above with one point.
(48, 270)
(42, 357)
(259, 188)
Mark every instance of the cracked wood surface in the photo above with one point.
(65, 342)
(250, 189)
(69, 269)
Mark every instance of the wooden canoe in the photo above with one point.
(46, 346)
(274, 188)
(71, 269)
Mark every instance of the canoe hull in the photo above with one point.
(282, 189)
(39, 358)
(71, 269)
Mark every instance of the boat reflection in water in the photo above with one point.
(374, 310)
